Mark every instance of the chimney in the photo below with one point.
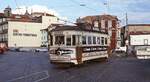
(7, 11)
(27, 13)
(44, 13)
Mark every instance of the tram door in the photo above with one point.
(79, 54)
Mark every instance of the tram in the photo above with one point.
(76, 45)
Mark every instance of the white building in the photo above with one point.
(24, 34)
(139, 39)
(23, 30)
(140, 45)
(48, 20)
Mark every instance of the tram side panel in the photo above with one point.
(77, 55)
(94, 52)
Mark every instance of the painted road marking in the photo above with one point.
(34, 77)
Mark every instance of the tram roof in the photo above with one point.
(74, 28)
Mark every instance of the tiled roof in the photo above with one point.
(139, 33)
(100, 17)
(47, 14)
(74, 28)
(2, 15)
(18, 17)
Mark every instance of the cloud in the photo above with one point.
(138, 10)
(38, 8)
(139, 17)
(34, 8)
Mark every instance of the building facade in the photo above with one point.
(24, 34)
(104, 23)
(140, 39)
(130, 29)
(23, 30)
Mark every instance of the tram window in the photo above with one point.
(59, 40)
(89, 40)
(68, 40)
(102, 40)
(73, 40)
(94, 40)
(98, 40)
(105, 40)
(83, 39)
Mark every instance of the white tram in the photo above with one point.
(75, 45)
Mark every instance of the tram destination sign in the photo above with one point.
(94, 48)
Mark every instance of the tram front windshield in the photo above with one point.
(59, 40)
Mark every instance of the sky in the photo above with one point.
(138, 10)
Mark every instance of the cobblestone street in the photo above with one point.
(35, 67)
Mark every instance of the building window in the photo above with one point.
(109, 24)
(0, 20)
(1, 29)
(96, 26)
(83, 39)
(5, 26)
(145, 41)
(106, 24)
(44, 38)
(4, 19)
(102, 24)
(95, 23)
(114, 24)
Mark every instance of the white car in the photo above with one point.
(25, 49)
(41, 50)
(121, 49)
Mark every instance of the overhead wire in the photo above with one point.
(66, 21)
(83, 5)
(17, 7)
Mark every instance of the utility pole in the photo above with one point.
(126, 18)
(127, 34)
(107, 4)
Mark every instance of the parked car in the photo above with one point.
(24, 49)
(41, 50)
(121, 49)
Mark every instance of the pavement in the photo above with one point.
(35, 67)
